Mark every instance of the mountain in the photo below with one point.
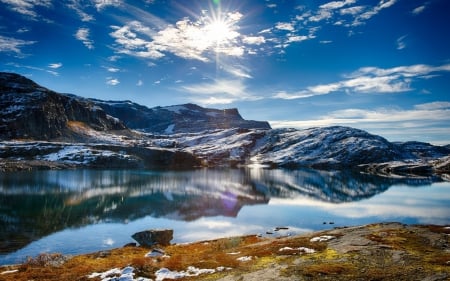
(184, 118)
(62, 130)
(30, 111)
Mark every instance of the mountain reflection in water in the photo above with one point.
(36, 204)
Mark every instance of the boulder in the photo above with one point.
(152, 237)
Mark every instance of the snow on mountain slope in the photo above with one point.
(316, 147)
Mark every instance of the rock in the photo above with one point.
(151, 237)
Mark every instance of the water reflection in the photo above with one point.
(36, 204)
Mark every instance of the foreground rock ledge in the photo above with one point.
(148, 238)
(385, 251)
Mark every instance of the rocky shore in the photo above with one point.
(383, 251)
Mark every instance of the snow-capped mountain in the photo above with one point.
(30, 111)
(62, 130)
(184, 118)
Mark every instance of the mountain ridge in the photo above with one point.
(44, 129)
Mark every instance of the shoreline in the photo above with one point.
(383, 251)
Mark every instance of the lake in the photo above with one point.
(81, 211)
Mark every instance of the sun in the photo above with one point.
(220, 27)
(220, 32)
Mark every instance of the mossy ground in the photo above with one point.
(393, 252)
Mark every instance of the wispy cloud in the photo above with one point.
(112, 81)
(371, 80)
(112, 69)
(13, 45)
(219, 91)
(362, 18)
(26, 7)
(401, 44)
(289, 26)
(79, 7)
(420, 9)
(83, 34)
(101, 4)
(55, 65)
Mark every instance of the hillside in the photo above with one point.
(184, 118)
(44, 129)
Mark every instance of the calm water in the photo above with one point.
(79, 211)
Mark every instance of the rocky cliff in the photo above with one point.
(183, 136)
(184, 118)
(29, 111)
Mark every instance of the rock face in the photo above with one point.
(186, 136)
(185, 118)
(153, 237)
(29, 111)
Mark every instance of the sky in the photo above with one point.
(378, 65)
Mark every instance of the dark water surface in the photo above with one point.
(80, 211)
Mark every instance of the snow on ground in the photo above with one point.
(127, 273)
(116, 274)
(322, 238)
(176, 108)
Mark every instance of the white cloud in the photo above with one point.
(254, 40)
(101, 4)
(139, 83)
(112, 81)
(285, 26)
(218, 87)
(237, 71)
(112, 69)
(26, 7)
(13, 45)
(433, 105)
(78, 7)
(355, 10)
(297, 38)
(199, 40)
(337, 4)
(401, 42)
(82, 34)
(372, 80)
(419, 10)
(383, 4)
(219, 91)
(55, 65)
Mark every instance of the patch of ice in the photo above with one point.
(322, 238)
(245, 258)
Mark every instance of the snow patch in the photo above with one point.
(165, 273)
(116, 274)
(9, 271)
(245, 258)
(176, 108)
(300, 249)
(169, 129)
(322, 238)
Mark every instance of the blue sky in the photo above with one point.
(379, 65)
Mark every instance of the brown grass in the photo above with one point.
(420, 257)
